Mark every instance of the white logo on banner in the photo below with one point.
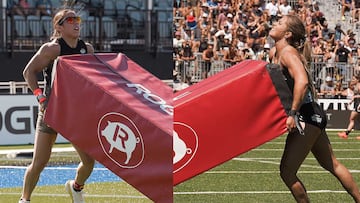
(180, 148)
(120, 137)
(185, 145)
(152, 98)
(116, 131)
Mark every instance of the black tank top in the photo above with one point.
(65, 49)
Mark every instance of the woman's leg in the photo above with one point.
(85, 167)
(324, 154)
(42, 151)
(353, 115)
(297, 147)
(351, 124)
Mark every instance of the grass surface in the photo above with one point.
(94, 192)
(254, 177)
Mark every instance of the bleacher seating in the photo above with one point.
(111, 20)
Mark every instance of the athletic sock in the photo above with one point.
(78, 187)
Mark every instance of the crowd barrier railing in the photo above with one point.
(194, 71)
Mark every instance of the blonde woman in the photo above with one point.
(65, 41)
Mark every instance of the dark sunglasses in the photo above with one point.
(70, 20)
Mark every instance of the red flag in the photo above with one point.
(224, 116)
(119, 114)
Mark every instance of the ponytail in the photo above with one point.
(306, 60)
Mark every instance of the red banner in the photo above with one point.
(224, 116)
(119, 114)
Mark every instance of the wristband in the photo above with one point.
(37, 92)
(292, 113)
(39, 95)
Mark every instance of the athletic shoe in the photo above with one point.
(77, 197)
(342, 135)
(24, 201)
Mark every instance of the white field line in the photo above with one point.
(51, 168)
(356, 142)
(58, 149)
(308, 158)
(86, 195)
(274, 162)
(272, 172)
(261, 160)
(335, 150)
(254, 192)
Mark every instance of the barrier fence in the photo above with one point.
(193, 71)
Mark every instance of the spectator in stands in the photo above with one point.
(241, 40)
(203, 44)
(343, 55)
(348, 93)
(205, 22)
(219, 40)
(329, 59)
(349, 38)
(220, 19)
(191, 21)
(355, 111)
(177, 40)
(324, 31)
(211, 16)
(43, 7)
(21, 8)
(229, 21)
(284, 7)
(292, 52)
(187, 58)
(226, 45)
(232, 55)
(247, 53)
(181, 84)
(188, 34)
(338, 89)
(264, 54)
(327, 89)
(272, 10)
(318, 15)
(253, 31)
(317, 47)
(345, 6)
(351, 46)
(208, 56)
(338, 32)
(65, 41)
(355, 10)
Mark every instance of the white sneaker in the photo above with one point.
(24, 201)
(77, 197)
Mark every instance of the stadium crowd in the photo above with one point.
(211, 35)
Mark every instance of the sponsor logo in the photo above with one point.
(121, 140)
(185, 143)
(152, 98)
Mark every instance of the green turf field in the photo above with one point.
(254, 177)
(110, 192)
(250, 178)
(95, 193)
